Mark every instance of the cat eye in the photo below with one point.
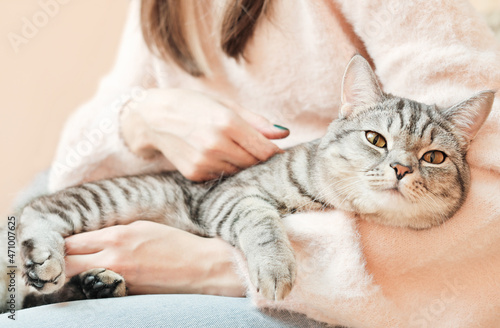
(376, 139)
(434, 157)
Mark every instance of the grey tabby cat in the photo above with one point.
(389, 159)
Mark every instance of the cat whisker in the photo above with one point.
(333, 185)
(350, 190)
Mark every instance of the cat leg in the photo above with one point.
(255, 227)
(45, 222)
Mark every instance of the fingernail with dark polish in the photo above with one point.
(280, 127)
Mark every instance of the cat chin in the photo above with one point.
(398, 221)
(391, 200)
(391, 208)
(405, 217)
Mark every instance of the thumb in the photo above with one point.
(262, 124)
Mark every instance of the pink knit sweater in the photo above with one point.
(351, 273)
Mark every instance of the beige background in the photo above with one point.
(55, 71)
(50, 75)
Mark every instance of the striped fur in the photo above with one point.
(248, 217)
(341, 170)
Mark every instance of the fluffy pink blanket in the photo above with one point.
(358, 274)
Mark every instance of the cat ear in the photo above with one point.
(359, 87)
(469, 115)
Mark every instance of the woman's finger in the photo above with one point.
(239, 157)
(76, 264)
(232, 153)
(84, 243)
(258, 122)
(263, 125)
(253, 141)
(222, 167)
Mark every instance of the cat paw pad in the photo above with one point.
(102, 283)
(42, 269)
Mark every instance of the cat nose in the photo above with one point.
(401, 170)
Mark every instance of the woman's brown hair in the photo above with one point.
(170, 27)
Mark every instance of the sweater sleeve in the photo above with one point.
(90, 147)
(435, 51)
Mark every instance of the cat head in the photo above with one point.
(397, 161)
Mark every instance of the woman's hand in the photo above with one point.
(201, 136)
(156, 259)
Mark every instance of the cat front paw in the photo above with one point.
(43, 267)
(273, 273)
(102, 283)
